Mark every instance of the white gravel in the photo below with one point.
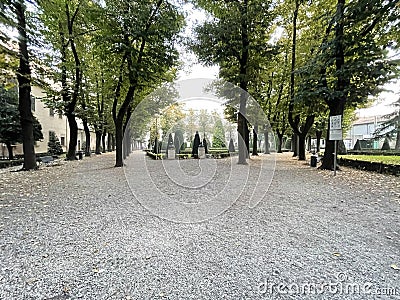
(76, 232)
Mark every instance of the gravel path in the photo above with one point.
(75, 232)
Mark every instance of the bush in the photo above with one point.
(386, 145)
(10, 163)
(54, 146)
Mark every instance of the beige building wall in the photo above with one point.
(51, 121)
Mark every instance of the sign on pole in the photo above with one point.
(335, 128)
(335, 134)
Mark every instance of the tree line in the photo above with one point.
(303, 61)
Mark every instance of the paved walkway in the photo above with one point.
(76, 232)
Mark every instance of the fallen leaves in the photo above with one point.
(97, 270)
(394, 267)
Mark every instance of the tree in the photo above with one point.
(196, 144)
(170, 141)
(218, 140)
(139, 38)
(300, 130)
(65, 24)
(14, 15)
(190, 124)
(10, 125)
(352, 61)
(390, 128)
(231, 146)
(54, 146)
(386, 145)
(179, 141)
(171, 118)
(204, 121)
(233, 39)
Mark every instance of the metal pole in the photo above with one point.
(334, 159)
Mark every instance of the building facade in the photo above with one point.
(363, 129)
(50, 121)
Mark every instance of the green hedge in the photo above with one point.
(378, 167)
(374, 152)
(10, 163)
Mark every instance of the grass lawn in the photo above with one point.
(394, 160)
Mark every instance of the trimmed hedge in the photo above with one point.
(10, 163)
(154, 155)
(371, 166)
(187, 154)
(374, 152)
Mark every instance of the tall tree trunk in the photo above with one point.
(109, 148)
(103, 140)
(243, 135)
(10, 150)
(397, 147)
(87, 136)
(113, 142)
(242, 149)
(119, 135)
(294, 145)
(319, 135)
(126, 143)
(73, 136)
(98, 141)
(295, 122)
(328, 159)
(255, 140)
(24, 88)
(247, 139)
(280, 141)
(127, 133)
(266, 141)
(309, 146)
(302, 146)
(336, 106)
(67, 98)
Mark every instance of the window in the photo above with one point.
(33, 103)
(60, 115)
(63, 141)
(51, 112)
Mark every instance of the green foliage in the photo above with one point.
(231, 146)
(386, 145)
(218, 140)
(170, 141)
(387, 159)
(54, 146)
(172, 118)
(10, 125)
(357, 145)
(390, 128)
(220, 39)
(179, 142)
(204, 120)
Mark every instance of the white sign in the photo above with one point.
(335, 122)
(335, 128)
(335, 134)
